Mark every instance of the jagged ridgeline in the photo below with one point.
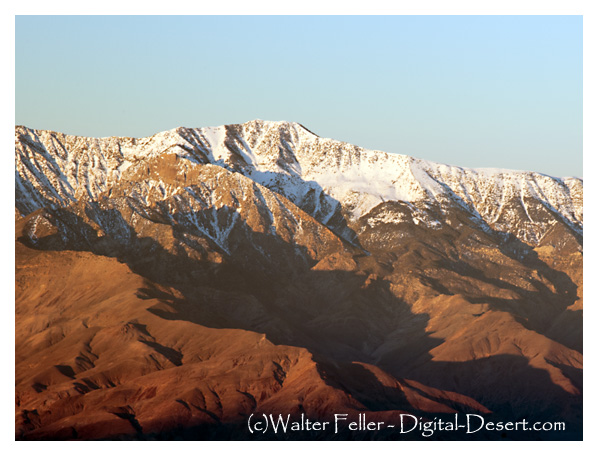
(169, 286)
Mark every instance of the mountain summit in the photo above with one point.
(320, 175)
(171, 286)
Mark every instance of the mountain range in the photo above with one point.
(169, 287)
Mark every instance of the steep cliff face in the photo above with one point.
(183, 281)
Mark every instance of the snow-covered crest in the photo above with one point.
(321, 175)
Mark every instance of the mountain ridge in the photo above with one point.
(312, 172)
(493, 170)
(173, 285)
(179, 128)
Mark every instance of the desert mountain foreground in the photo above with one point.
(181, 285)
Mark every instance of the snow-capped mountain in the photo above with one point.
(171, 286)
(335, 182)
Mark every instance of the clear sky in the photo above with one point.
(474, 91)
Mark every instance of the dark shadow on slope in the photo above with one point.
(171, 354)
(526, 308)
(568, 329)
(506, 384)
(266, 285)
(438, 253)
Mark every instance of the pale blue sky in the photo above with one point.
(474, 91)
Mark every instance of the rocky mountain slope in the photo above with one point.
(170, 286)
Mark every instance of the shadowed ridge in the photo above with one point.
(333, 314)
(252, 293)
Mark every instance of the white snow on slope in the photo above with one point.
(315, 172)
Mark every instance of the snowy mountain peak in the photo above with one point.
(335, 182)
